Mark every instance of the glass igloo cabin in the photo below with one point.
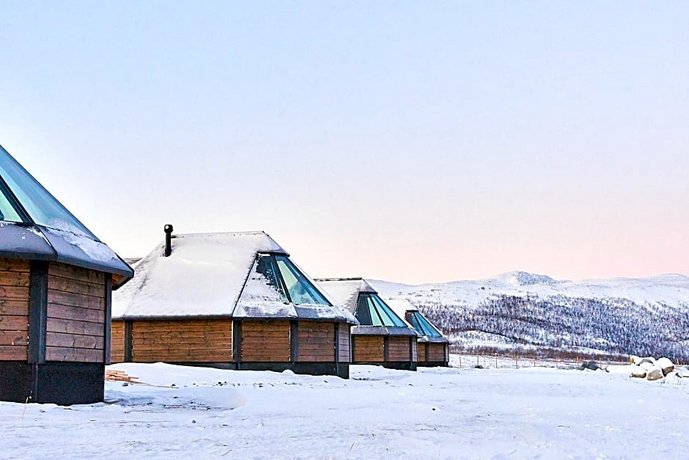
(382, 337)
(231, 300)
(56, 279)
(433, 346)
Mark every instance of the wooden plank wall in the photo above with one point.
(436, 352)
(368, 348)
(117, 341)
(345, 341)
(14, 310)
(266, 341)
(316, 342)
(399, 349)
(423, 352)
(182, 340)
(76, 314)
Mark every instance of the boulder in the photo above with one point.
(666, 365)
(646, 366)
(638, 373)
(654, 373)
(591, 365)
(635, 360)
(648, 359)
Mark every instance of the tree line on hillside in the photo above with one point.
(612, 325)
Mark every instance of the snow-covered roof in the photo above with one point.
(400, 306)
(346, 291)
(213, 274)
(35, 225)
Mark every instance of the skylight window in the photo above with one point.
(8, 212)
(372, 311)
(275, 279)
(422, 325)
(267, 273)
(41, 206)
(300, 289)
(366, 312)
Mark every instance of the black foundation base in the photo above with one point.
(57, 383)
(401, 365)
(434, 364)
(338, 369)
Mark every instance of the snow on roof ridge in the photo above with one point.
(345, 291)
(364, 286)
(210, 234)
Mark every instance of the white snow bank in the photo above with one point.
(379, 413)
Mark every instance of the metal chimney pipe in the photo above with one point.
(168, 239)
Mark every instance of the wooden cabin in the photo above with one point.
(230, 300)
(56, 280)
(382, 337)
(433, 346)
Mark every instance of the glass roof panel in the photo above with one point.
(263, 286)
(389, 317)
(41, 206)
(411, 317)
(423, 326)
(366, 312)
(372, 311)
(8, 212)
(300, 289)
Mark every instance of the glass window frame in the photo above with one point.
(363, 311)
(377, 306)
(319, 298)
(14, 205)
(385, 308)
(277, 276)
(38, 206)
(365, 303)
(422, 325)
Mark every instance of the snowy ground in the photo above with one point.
(378, 413)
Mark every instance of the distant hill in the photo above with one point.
(531, 312)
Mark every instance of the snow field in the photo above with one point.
(378, 413)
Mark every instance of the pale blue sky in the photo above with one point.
(411, 141)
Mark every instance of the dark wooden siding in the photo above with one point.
(265, 341)
(436, 352)
(184, 340)
(76, 314)
(399, 349)
(368, 348)
(117, 341)
(316, 342)
(345, 342)
(14, 310)
(423, 352)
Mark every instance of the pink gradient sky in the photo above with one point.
(402, 141)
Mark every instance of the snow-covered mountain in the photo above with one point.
(648, 316)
